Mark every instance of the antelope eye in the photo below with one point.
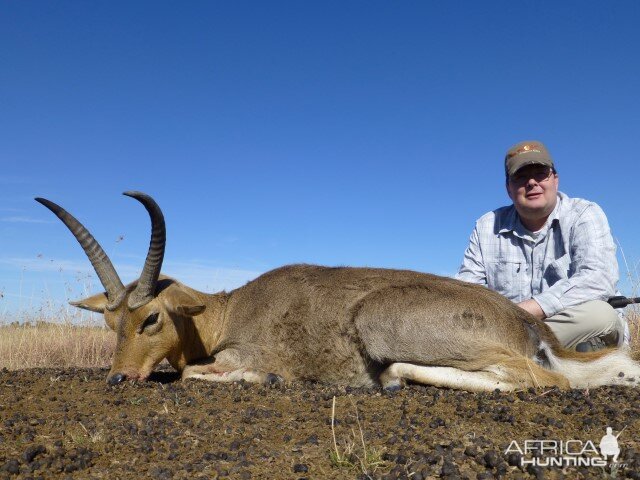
(151, 320)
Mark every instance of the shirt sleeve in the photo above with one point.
(593, 265)
(472, 268)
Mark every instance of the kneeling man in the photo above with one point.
(552, 255)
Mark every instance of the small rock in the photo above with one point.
(12, 466)
(491, 459)
(471, 451)
(485, 476)
(448, 468)
(32, 452)
(513, 459)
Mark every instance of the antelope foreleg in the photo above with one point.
(214, 373)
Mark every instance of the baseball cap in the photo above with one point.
(530, 152)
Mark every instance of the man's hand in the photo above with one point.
(533, 308)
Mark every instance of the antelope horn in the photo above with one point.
(99, 259)
(146, 287)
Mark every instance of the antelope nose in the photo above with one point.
(116, 379)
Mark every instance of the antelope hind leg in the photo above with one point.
(394, 376)
(513, 374)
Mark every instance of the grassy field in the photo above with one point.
(45, 344)
(63, 336)
(67, 344)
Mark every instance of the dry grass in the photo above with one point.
(354, 453)
(633, 317)
(631, 272)
(54, 336)
(45, 344)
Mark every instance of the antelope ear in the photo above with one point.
(96, 303)
(181, 302)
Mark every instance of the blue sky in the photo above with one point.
(338, 133)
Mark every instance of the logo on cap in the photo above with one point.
(524, 149)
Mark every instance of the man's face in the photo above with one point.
(533, 190)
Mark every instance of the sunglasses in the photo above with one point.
(539, 175)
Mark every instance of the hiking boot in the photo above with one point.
(598, 343)
(592, 345)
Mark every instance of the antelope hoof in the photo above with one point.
(273, 379)
(393, 386)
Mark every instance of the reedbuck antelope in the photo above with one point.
(350, 326)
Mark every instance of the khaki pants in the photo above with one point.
(591, 319)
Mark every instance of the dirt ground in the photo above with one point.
(71, 424)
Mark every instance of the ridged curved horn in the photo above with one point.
(99, 259)
(146, 287)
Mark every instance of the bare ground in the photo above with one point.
(71, 424)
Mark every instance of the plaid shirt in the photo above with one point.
(572, 260)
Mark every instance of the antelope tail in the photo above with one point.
(610, 366)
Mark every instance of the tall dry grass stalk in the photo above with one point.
(632, 312)
(633, 317)
(46, 344)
